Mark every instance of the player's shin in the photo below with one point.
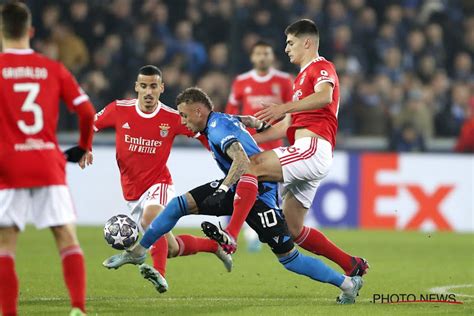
(245, 196)
(8, 284)
(163, 223)
(74, 273)
(311, 267)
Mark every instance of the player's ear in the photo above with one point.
(307, 42)
(31, 32)
(162, 86)
(136, 87)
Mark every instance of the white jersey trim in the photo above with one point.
(148, 115)
(82, 98)
(319, 58)
(169, 109)
(18, 51)
(126, 102)
(327, 80)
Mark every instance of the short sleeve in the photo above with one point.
(71, 93)
(323, 72)
(105, 117)
(223, 133)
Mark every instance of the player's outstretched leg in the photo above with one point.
(316, 242)
(154, 276)
(317, 270)
(224, 239)
(187, 245)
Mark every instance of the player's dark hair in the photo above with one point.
(260, 43)
(192, 95)
(150, 70)
(15, 20)
(303, 26)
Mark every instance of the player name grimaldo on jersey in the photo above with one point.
(400, 298)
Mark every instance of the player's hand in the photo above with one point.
(86, 160)
(74, 154)
(215, 200)
(271, 112)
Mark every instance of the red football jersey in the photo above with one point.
(321, 121)
(143, 143)
(249, 90)
(31, 87)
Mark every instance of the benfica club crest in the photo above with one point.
(164, 129)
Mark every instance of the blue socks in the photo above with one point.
(165, 221)
(311, 267)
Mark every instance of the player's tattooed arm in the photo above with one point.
(240, 164)
(253, 122)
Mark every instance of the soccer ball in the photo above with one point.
(121, 232)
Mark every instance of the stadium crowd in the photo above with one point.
(405, 67)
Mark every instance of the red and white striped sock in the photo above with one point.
(190, 245)
(74, 273)
(316, 242)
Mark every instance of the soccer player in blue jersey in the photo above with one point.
(232, 146)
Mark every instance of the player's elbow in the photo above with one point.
(86, 111)
(326, 98)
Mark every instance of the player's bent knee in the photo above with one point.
(149, 214)
(173, 251)
(65, 236)
(8, 239)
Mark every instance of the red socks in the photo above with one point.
(189, 245)
(74, 273)
(8, 284)
(244, 199)
(159, 254)
(313, 240)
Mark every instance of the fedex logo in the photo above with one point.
(391, 191)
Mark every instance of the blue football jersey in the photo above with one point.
(222, 130)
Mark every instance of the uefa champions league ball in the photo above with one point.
(121, 232)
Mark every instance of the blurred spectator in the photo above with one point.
(415, 113)
(451, 118)
(194, 51)
(407, 139)
(72, 51)
(463, 69)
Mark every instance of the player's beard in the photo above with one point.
(149, 104)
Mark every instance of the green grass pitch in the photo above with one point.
(401, 262)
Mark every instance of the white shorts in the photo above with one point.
(47, 206)
(157, 194)
(304, 165)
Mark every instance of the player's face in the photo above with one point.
(192, 117)
(295, 48)
(262, 57)
(149, 89)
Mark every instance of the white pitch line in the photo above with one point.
(446, 289)
(209, 299)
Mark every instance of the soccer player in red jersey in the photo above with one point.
(32, 167)
(145, 130)
(262, 84)
(311, 129)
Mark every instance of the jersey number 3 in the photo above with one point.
(29, 105)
